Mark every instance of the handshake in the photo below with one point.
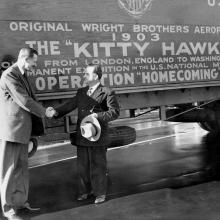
(51, 112)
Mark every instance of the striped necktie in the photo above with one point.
(25, 75)
(89, 92)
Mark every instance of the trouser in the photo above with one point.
(92, 167)
(14, 176)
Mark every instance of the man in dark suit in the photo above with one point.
(18, 108)
(101, 102)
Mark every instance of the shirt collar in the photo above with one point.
(21, 70)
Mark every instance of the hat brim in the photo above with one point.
(92, 119)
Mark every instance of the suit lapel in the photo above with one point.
(97, 92)
(30, 88)
(24, 82)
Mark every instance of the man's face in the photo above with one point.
(30, 63)
(89, 75)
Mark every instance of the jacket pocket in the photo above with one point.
(13, 109)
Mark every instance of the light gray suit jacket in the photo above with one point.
(17, 104)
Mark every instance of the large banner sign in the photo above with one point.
(132, 56)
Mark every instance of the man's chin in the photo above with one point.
(32, 70)
(29, 69)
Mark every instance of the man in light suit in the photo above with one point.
(101, 102)
(18, 108)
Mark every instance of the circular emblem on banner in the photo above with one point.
(135, 8)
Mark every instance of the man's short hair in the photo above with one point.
(97, 70)
(27, 52)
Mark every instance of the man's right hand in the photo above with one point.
(50, 112)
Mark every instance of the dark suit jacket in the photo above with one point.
(18, 107)
(103, 102)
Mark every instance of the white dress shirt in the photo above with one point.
(92, 89)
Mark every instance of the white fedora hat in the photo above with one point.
(90, 128)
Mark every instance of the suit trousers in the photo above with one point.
(92, 167)
(14, 176)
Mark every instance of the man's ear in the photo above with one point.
(96, 76)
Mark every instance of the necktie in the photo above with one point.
(28, 84)
(89, 92)
(25, 74)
